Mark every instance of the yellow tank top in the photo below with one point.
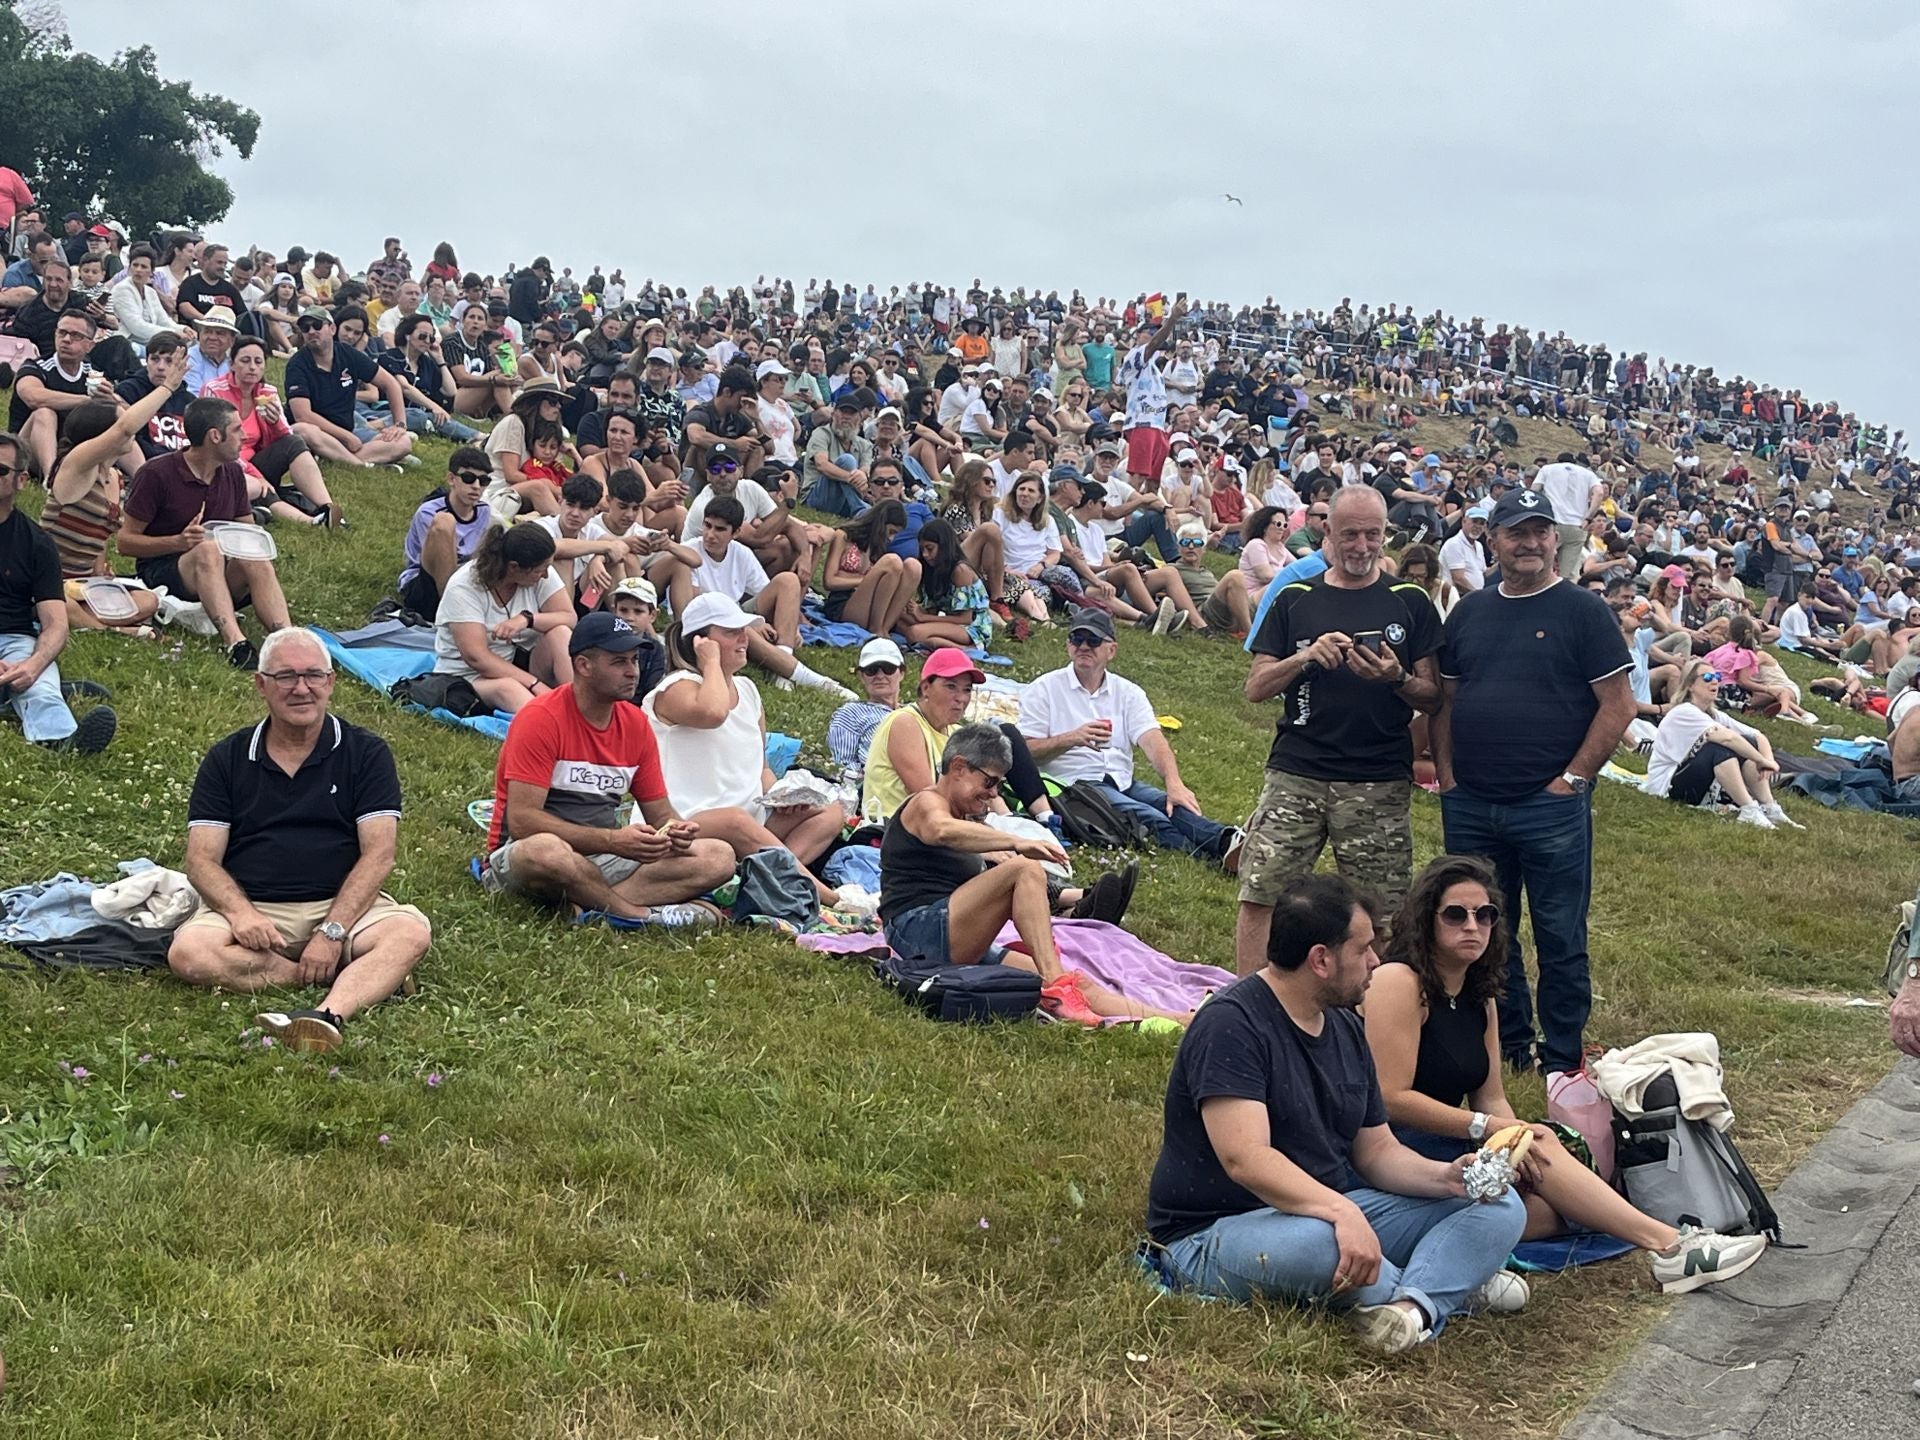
(884, 791)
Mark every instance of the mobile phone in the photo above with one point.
(1372, 640)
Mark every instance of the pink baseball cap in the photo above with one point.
(950, 664)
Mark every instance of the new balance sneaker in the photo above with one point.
(1505, 1293)
(1061, 1000)
(311, 1032)
(1391, 1329)
(1705, 1257)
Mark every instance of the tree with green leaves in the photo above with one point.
(111, 137)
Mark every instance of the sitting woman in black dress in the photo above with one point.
(1435, 1035)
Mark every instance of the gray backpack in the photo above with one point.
(1685, 1172)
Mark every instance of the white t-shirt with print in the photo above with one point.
(467, 600)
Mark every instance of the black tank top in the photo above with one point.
(914, 873)
(1453, 1052)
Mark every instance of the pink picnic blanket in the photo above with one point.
(1115, 958)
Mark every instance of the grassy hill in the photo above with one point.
(591, 1184)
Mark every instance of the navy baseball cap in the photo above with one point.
(603, 631)
(1518, 506)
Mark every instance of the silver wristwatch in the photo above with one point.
(333, 930)
(1913, 969)
(1580, 783)
(1477, 1127)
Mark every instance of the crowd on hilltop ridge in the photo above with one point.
(653, 497)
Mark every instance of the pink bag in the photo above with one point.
(1573, 1100)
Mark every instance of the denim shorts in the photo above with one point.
(921, 933)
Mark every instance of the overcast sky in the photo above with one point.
(1728, 182)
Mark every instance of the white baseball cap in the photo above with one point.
(1185, 456)
(879, 651)
(714, 608)
(640, 588)
(1398, 457)
(663, 355)
(769, 367)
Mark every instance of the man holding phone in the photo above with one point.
(1352, 653)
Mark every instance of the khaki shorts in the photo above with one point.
(296, 920)
(1366, 821)
(499, 876)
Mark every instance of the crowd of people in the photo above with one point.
(654, 498)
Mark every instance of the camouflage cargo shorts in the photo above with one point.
(1366, 821)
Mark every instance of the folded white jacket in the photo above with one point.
(1692, 1058)
(151, 899)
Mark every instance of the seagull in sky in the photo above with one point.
(1236, 200)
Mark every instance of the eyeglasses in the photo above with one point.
(885, 667)
(288, 679)
(309, 324)
(1085, 640)
(1485, 916)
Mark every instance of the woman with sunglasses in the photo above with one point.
(1435, 1036)
(1699, 748)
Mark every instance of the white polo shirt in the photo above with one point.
(1057, 702)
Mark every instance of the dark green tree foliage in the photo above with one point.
(110, 137)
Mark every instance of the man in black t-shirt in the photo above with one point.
(1278, 1176)
(1353, 655)
(33, 626)
(209, 286)
(1536, 696)
(320, 383)
(729, 417)
(291, 831)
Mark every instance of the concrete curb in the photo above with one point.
(1714, 1367)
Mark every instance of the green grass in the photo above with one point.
(725, 1187)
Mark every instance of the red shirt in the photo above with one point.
(1229, 505)
(585, 772)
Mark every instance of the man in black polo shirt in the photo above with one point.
(1351, 653)
(320, 383)
(291, 832)
(1536, 696)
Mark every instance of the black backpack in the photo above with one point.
(1089, 818)
(1684, 1171)
(453, 693)
(976, 993)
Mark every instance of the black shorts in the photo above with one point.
(421, 595)
(1695, 776)
(164, 570)
(274, 461)
(835, 604)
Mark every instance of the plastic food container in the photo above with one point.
(242, 542)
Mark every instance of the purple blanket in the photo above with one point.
(1116, 959)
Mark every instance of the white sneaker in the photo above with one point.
(1388, 1329)
(1705, 1257)
(1754, 815)
(1505, 1293)
(1780, 818)
(1163, 616)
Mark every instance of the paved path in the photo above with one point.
(1809, 1344)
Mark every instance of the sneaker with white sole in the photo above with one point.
(310, 1032)
(1391, 1329)
(1163, 616)
(1505, 1293)
(1705, 1257)
(1755, 816)
(1780, 818)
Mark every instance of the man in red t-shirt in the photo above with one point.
(571, 756)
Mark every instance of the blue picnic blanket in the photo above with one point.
(1563, 1252)
(1850, 749)
(816, 629)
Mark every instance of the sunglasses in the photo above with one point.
(722, 467)
(1085, 640)
(6, 470)
(1192, 544)
(1486, 916)
(885, 667)
(472, 477)
(310, 324)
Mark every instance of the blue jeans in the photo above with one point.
(44, 716)
(422, 423)
(1435, 1253)
(1145, 525)
(836, 497)
(1183, 830)
(1543, 844)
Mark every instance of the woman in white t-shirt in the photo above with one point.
(712, 732)
(776, 415)
(1031, 538)
(505, 620)
(1699, 746)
